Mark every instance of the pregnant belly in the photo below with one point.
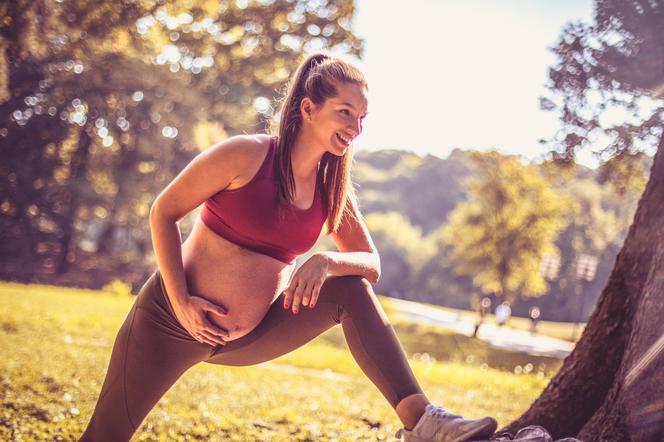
(244, 282)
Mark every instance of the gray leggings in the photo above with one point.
(152, 350)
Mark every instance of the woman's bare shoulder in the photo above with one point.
(257, 146)
(246, 153)
(227, 164)
(242, 150)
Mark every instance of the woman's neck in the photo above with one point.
(305, 156)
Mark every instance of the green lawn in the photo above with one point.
(56, 344)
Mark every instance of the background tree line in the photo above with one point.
(102, 103)
(437, 224)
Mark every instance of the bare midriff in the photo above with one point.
(241, 280)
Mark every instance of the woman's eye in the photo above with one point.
(345, 111)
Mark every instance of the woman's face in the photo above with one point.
(338, 121)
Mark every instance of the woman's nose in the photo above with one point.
(357, 127)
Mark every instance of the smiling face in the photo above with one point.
(338, 121)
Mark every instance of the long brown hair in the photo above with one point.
(316, 78)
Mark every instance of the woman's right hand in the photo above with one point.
(192, 315)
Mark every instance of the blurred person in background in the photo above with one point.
(503, 313)
(484, 309)
(534, 314)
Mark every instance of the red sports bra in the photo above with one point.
(247, 216)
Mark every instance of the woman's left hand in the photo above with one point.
(306, 283)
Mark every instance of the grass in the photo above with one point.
(57, 343)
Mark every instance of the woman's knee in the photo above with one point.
(356, 298)
(348, 291)
(347, 284)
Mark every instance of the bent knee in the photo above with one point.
(352, 283)
(347, 289)
(355, 297)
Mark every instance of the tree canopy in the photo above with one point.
(509, 223)
(608, 87)
(101, 103)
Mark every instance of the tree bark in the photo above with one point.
(589, 396)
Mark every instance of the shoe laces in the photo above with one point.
(435, 411)
(438, 411)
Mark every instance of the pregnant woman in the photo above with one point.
(229, 294)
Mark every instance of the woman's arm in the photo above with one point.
(352, 263)
(357, 256)
(210, 171)
(357, 253)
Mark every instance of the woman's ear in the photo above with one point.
(306, 108)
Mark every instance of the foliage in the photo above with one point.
(80, 75)
(438, 282)
(426, 188)
(402, 248)
(102, 103)
(508, 224)
(608, 82)
(435, 185)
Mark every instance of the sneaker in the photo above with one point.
(439, 425)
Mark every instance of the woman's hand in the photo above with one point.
(306, 283)
(192, 315)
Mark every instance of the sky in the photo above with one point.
(447, 74)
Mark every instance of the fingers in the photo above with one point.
(301, 293)
(202, 329)
(217, 331)
(205, 339)
(300, 290)
(211, 338)
(293, 296)
(202, 338)
(315, 292)
(216, 309)
(288, 295)
(309, 294)
(212, 335)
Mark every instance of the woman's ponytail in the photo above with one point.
(316, 77)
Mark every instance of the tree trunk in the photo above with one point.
(611, 387)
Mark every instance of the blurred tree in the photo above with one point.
(438, 283)
(426, 190)
(98, 106)
(510, 221)
(611, 386)
(403, 181)
(592, 229)
(402, 250)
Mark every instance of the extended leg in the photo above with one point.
(151, 351)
